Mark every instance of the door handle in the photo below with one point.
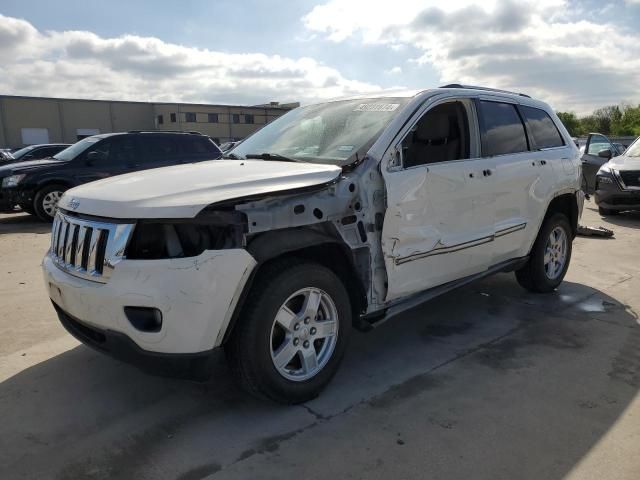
(487, 172)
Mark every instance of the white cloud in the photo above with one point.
(82, 64)
(532, 45)
(394, 71)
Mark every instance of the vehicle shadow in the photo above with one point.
(83, 415)
(624, 219)
(22, 223)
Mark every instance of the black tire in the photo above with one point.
(249, 347)
(39, 207)
(27, 209)
(533, 276)
(607, 212)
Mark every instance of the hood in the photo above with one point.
(181, 191)
(624, 163)
(16, 166)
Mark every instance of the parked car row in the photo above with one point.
(36, 186)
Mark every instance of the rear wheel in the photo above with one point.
(607, 211)
(46, 201)
(550, 256)
(290, 339)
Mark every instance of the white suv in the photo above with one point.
(336, 214)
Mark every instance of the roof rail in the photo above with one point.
(192, 132)
(473, 87)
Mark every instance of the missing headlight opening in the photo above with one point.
(178, 239)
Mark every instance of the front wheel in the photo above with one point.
(290, 339)
(549, 258)
(46, 201)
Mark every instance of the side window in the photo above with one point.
(197, 147)
(503, 129)
(123, 150)
(158, 148)
(544, 132)
(47, 152)
(597, 144)
(100, 152)
(441, 135)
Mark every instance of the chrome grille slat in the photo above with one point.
(68, 242)
(78, 245)
(91, 266)
(82, 229)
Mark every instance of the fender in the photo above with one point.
(275, 243)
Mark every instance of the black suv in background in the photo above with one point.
(36, 152)
(36, 186)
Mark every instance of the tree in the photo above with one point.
(571, 123)
(628, 123)
(605, 117)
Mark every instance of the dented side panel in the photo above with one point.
(351, 209)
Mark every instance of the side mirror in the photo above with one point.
(95, 156)
(606, 153)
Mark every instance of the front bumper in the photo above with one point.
(196, 296)
(191, 366)
(617, 199)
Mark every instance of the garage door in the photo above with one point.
(86, 132)
(33, 136)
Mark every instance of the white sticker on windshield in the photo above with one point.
(345, 148)
(376, 107)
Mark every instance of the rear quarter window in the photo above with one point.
(503, 130)
(543, 131)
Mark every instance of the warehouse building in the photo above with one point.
(32, 120)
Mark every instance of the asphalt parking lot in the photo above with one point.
(487, 382)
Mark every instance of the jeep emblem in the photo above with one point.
(74, 203)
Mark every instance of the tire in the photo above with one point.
(607, 212)
(536, 276)
(257, 339)
(44, 203)
(28, 209)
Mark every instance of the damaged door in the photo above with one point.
(597, 152)
(440, 213)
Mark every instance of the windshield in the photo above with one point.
(634, 149)
(325, 133)
(76, 149)
(18, 154)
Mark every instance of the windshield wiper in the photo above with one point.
(270, 156)
(231, 156)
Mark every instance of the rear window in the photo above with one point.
(544, 132)
(503, 129)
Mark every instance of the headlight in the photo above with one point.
(13, 180)
(602, 179)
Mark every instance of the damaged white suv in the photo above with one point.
(339, 214)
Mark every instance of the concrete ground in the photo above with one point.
(487, 382)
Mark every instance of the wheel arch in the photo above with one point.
(304, 244)
(567, 204)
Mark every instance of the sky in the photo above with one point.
(576, 55)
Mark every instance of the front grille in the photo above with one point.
(87, 248)
(630, 178)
